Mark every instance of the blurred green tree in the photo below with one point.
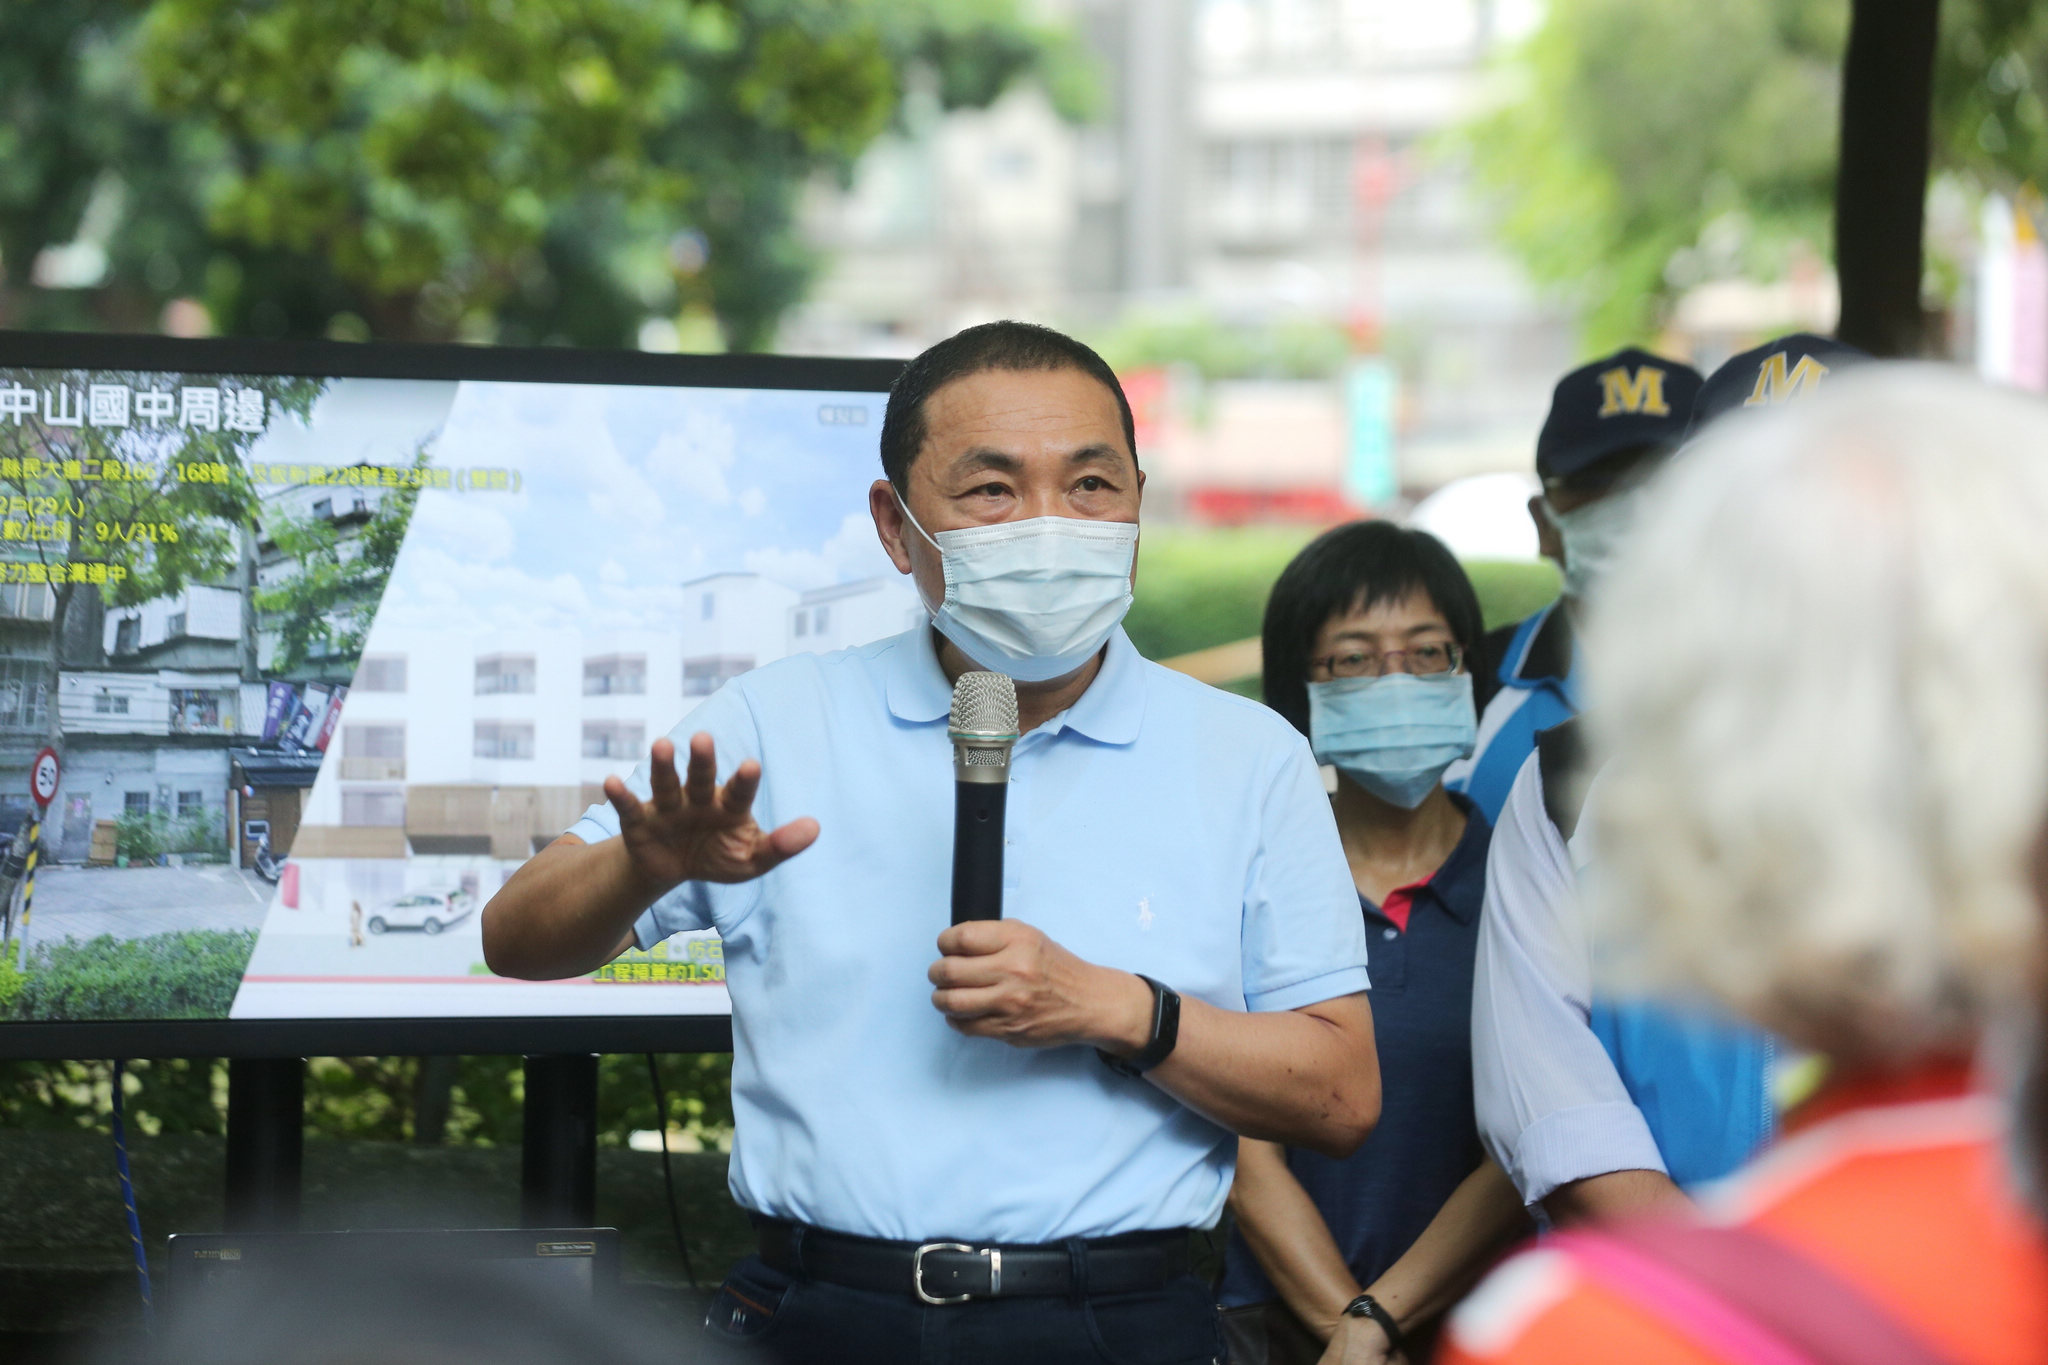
(549, 171)
(1647, 147)
(182, 1095)
(1216, 348)
(84, 163)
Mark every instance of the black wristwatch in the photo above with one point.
(1366, 1306)
(1165, 1033)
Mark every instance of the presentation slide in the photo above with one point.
(324, 661)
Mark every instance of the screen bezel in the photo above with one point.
(426, 361)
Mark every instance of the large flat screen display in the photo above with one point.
(326, 641)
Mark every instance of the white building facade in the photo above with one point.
(465, 744)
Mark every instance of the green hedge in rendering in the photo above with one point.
(191, 974)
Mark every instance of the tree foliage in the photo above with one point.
(167, 1095)
(384, 1098)
(1991, 91)
(518, 170)
(1649, 147)
(323, 611)
(1288, 348)
(367, 1098)
(70, 113)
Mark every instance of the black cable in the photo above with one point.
(668, 1174)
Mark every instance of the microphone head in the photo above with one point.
(983, 723)
(984, 707)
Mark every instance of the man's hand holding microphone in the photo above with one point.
(994, 978)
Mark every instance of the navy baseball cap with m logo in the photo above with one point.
(1779, 371)
(1629, 401)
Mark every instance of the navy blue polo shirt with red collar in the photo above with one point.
(1378, 1200)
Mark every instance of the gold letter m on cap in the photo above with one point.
(1642, 392)
(1777, 384)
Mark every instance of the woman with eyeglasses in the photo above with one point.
(1350, 1262)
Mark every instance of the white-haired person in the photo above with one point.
(1820, 703)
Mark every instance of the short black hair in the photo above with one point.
(1609, 471)
(1352, 567)
(989, 346)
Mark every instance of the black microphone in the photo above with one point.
(982, 726)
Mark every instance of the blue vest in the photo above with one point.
(1701, 1082)
(1535, 694)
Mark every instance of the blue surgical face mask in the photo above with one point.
(1592, 535)
(1393, 735)
(1033, 598)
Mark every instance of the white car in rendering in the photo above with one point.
(430, 911)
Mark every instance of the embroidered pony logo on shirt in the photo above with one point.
(1144, 912)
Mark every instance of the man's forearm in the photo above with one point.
(1308, 1077)
(568, 910)
(1617, 1194)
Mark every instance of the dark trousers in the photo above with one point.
(763, 1314)
(1268, 1334)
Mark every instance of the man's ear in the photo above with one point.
(890, 524)
(1549, 543)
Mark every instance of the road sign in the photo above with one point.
(42, 778)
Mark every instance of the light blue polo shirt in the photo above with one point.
(1158, 825)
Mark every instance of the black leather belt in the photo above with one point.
(955, 1272)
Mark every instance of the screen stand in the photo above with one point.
(558, 1164)
(266, 1143)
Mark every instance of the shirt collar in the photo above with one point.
(917, 687)
(1113, 707)
(1460, 883)
(1109, 712)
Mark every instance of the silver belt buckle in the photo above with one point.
(995, 1271)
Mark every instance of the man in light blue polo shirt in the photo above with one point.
(986, 1142)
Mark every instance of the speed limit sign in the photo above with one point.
(42, 778)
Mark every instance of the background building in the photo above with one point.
(1259, 167)
(165, 706)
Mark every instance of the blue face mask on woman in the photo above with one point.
(1395, 734)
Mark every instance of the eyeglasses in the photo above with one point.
(1422, 661)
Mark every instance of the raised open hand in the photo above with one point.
(694, 830)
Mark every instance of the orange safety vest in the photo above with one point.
(1897, 1188)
